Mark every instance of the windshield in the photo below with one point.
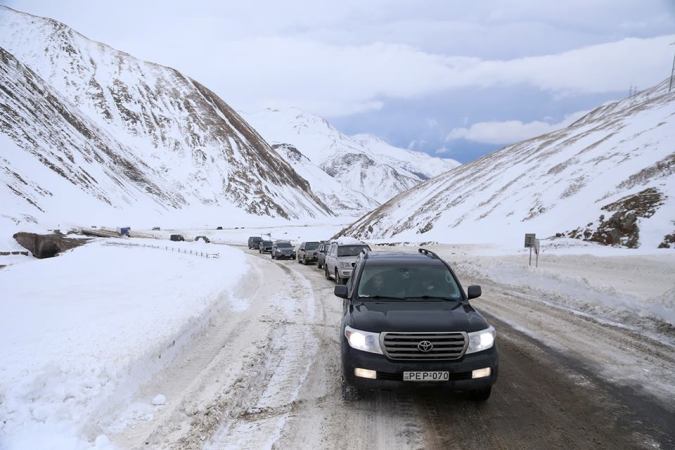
(266, 242)
(284, 245)
(351, 250)
(311, 245)
(408, 282)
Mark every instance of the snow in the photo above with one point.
(84, 329)
(551, 184)
(363, 164)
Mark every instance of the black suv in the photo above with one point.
(254, 242)
(265, 247)
(408, 322)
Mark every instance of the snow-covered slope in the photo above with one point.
(126, 133)
(608, 177)
(363, 164)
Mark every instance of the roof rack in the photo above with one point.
(428, 253)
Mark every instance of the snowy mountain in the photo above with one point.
(363, 165)
(608, 177)
(85, 126)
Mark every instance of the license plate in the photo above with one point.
(426, 376)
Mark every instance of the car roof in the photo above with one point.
(402, 258)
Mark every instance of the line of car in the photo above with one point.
(406, 319)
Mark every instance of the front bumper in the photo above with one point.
(390, 372)
(285, 255)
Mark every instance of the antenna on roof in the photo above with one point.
(429, 253)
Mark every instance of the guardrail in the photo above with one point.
(168, 248)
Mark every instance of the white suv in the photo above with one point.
(340, 259)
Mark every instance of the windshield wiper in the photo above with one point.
(379, 297)
(438, 297)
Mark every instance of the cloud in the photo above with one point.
(341, 58)
(509, 131)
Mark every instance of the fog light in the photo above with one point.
(481, 373)
(365, 373)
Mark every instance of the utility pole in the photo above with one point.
(672, 72)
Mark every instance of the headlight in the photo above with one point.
(481, 340)
(346, 265)
(363, 340)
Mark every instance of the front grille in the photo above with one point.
(406, 346)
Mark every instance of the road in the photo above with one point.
(268, 376)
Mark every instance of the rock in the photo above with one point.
(46, 245)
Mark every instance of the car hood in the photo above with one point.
(378, 316)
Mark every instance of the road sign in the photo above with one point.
(529, 240)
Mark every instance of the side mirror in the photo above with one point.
(340, 291)
(474, 292)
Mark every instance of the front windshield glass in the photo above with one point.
(408, 282)
(267, 242)
(284, 245)
(311, 245)
(351, 250)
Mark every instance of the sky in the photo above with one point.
(452, 78)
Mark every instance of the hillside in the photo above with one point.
(608, 178)
(126, 135)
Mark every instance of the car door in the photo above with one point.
(333, 258)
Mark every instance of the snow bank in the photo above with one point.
(87, 327)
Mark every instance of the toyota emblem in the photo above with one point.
(425, 346)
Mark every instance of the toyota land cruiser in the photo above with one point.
(407, 322)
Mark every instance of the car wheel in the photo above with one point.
(272, 255)
(325, 271)
(481, 395)
(338, 280)
(349, 392)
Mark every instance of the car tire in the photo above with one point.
(272, 255)
(349, 392)
(481, 395)
(325, 271)
(338, 280)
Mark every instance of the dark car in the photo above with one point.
(202, 238)
(283, 249)
(176, 237)
(155, 228)
(219, 228)
(254, 242)
(308, 252)
(321, 254)
(265, 247)
(407, 322)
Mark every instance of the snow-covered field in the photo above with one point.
(84, 329)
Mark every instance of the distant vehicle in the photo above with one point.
(155, 228)
(177, 237)
(203, 238)
(124, 231)
(340, 259)
(321, 254)
(308, 252)
(93, 226)
(407, 322)
(282, 249)
(219, 228)
(265, 247)
(254, 242)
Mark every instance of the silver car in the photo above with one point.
(283, 249)
(340, 259)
